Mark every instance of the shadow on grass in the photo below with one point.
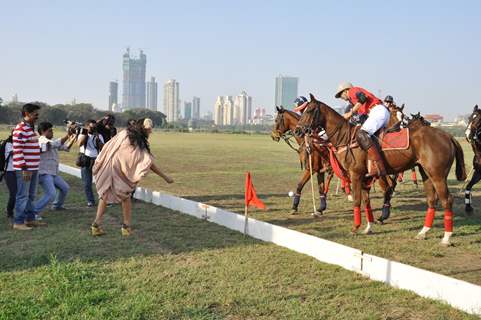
(156, 231)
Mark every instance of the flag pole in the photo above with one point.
(245, 220)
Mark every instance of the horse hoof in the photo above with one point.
(293, 212)
(468, 209)
(379, 220)
(317, 214)
(350, 198)
(355, 229)
(420, 236)
(446, 243)
(367, 231)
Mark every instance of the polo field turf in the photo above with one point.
(178, 267)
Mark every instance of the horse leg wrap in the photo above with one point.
(357, 216)
(295, 201)
(386, 211)
(428, 222)
(448, 221)
(368, 212)
(414, 178)
(323, 203)
(467, 197)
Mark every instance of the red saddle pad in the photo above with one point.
(398, 140)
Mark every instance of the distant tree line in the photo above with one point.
(56, 114)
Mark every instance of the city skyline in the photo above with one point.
(55, 57)
(133, 84)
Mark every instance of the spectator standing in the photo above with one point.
(90, 142)
(106, 127)
(26, 158)
(9, 175)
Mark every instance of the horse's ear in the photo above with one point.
(312, 97)
(476, 108)
(402, 107)
(278, 108)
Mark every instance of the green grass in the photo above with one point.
(178, 267)
(211, 167)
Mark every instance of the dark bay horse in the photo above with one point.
(285, 123)
(431, 149)
(473, 135)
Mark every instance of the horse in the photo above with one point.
(431, 149)
(284, 125)
(473, 136)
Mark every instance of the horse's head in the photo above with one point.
(280, 126)
(473, 130)
(417, 117)
(397, 115)
(312, 118)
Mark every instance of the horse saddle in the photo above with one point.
(394, 139)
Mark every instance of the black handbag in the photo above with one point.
(82, 160)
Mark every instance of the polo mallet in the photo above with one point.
(467, 180)
(309, 151)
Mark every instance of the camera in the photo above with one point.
(74, 127)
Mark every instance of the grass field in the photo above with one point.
(176, 267)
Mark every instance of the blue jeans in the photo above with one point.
(49, 185)
(86, 173)
(26, 190)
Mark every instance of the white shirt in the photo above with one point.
(49, 155)
(8, 149)
(90, 148)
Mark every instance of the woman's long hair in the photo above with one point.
(137, 134)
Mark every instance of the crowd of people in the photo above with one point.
(115, 162)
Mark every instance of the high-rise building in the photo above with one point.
(196, 108)
(228, 111)
(15, 98)
(152, 94)
(242, 109)
(187, 110)
(219, 111)
(286, 90)
(113, 95)
(171, 100)
(133, 93)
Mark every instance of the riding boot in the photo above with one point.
(376, 167)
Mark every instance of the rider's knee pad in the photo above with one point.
(364, 140)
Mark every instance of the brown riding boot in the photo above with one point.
(376, 166)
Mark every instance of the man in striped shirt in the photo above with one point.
(26, 158)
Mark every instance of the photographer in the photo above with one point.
(106, 127)
(49, 177)
(90, 142)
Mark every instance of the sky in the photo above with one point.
(427, 54)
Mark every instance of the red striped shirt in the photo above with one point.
(26, 149)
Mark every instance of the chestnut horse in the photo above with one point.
(284, 125)
(473, 135)
(431, 149)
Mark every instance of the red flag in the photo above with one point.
(251, 196)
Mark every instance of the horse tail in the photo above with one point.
(460, 166)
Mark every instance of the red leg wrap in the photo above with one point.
(348, 188)
(357, 216)
(368, 212)
(414, 178)
(429, 218)
(448, 221)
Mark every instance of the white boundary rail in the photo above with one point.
(459, 294)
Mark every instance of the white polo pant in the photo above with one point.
(378, 118)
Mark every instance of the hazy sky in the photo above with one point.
(425, 53)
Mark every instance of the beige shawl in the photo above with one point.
(119, 167)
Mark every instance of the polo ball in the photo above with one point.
(291, 194)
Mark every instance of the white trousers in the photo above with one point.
(377, 119)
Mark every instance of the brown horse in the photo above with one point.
(473, 135)
(431, 149)
(285, 123)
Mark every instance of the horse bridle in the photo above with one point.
(287, 135)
